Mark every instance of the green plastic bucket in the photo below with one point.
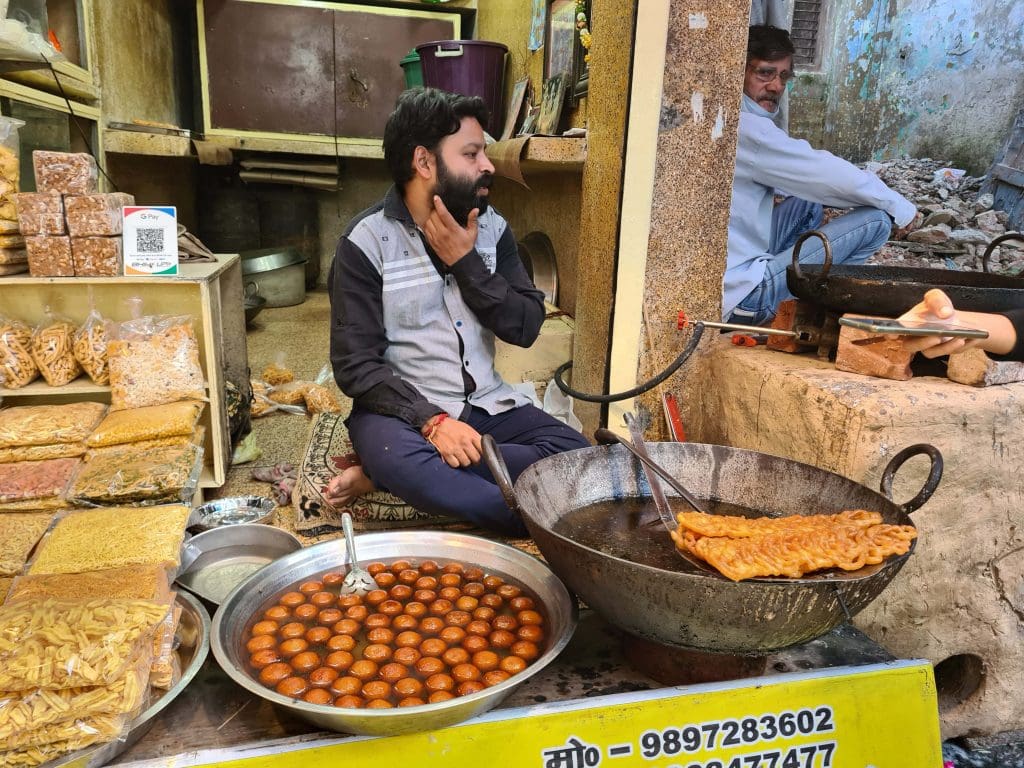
(413, 69)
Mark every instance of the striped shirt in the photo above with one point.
(411, 337)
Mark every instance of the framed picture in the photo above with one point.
(552, 98)
(563, 52)
(520, 95)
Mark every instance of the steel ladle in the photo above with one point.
(358, 580)
(652, 471)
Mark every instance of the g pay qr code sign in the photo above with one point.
(150, 240)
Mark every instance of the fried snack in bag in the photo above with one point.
(292, 393)
(84, 736)
(26, 481)
(112, 537)
(130, 582)
(17, 368)
(19, 532)
(90, 348)
(41, 452)
(320, 399)
(147, 423)
(49, 424)
(164, 670)
(5, 585)
(125, 474)
(52, 345)
(74, 643)
(37, 709)
(153, 360)
(276, 373)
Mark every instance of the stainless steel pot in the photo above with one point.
(243, 606)
(693, 609)
(275, 274)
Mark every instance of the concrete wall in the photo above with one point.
(928, 78)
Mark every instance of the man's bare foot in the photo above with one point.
(348, 486)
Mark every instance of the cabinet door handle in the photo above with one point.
(353, 75)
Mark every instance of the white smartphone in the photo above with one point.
(913, 327)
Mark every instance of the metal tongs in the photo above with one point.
(652, 471)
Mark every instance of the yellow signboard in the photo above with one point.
(877, 716)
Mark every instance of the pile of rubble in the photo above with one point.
(959, 221)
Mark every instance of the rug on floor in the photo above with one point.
(328, 452)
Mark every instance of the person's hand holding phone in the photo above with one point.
(937, 307)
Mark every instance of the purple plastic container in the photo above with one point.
(469, 67)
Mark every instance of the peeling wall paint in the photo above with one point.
(937, 78)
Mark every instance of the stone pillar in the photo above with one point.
(680, 155)
(611, 56)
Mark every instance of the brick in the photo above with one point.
(873, 354)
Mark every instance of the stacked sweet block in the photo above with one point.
(70, 228)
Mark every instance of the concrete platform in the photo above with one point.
(959, 602)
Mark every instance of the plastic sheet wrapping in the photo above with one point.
(51, 504)
(10, 165)
(90, 348)
(196, 439)
(37, 709)
(130, 582)
(277, 372)
(40, 213)
(25, 481)
(112, 537)
(19, 532)
(49, 256)
(74, 643)
(153, 360)
(164, 671)
(86, 733)
(52, 345)
(41, 452)
(292, 393)
(96, 215)
(13, 255)
(97, 256)
(146, 423)
(49, 424)
(17, 368)
(127, 475)
(69, 173)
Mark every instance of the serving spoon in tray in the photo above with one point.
(358, 580)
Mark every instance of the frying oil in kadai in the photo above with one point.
(631, 529)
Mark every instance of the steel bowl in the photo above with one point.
(234, 510)
(245, 604)
(214, 562)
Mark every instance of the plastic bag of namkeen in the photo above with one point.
(112, 537)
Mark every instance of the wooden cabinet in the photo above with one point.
(210, 293)
(302, 71)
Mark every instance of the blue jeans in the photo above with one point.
(397, 458)
(854, 238)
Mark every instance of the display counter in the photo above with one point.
(210, 292)
(836, 701)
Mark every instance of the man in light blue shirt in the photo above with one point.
(770, 162)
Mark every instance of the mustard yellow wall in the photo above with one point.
(508, 22)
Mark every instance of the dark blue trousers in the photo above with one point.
(398, 459)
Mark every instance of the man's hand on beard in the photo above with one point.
(449, 240)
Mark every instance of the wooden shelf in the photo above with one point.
(538, 154)
(80, 386)
(136, 143)
(209, 292)
(324, 146)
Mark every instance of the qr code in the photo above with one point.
(150, 240)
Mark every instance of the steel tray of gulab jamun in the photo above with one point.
(455, 624)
